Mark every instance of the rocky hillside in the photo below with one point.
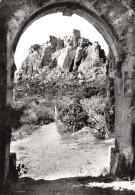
(68, 54)
(69, 74)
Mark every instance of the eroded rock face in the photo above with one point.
(53, 43)
(39, 56)
(31, 64)
(48, 49)
(80, 52)
(92, 61)
(66, 57)
(68, 40)
(46, 56)
(76, 37)
(72, 53)
(60, 44)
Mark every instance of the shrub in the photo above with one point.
(23, 131)
(29, 114)
(73, 116)
(95, 108)
(45, 115)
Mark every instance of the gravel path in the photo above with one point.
(49, 156)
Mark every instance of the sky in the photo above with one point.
(57, 25)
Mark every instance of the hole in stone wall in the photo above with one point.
(60, 88)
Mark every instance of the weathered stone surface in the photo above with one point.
(81, 52)
(53, 43)
(76, 37)
(66, 57)
(60, 44)
(12, 166)
(61, 53)
(68, 41)
(109, 109)
(92, 61)
(46, 56)
(32, 63)
(78, 57)
(39, 56)
(54, 59)
(112, 18)
(118, 166)
(48, 50)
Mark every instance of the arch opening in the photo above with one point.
(40, 30)
(118, 31)
(97, 100)
(69, 9)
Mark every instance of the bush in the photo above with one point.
(45, 115)
(73, 116)
(95, 108)
(23, 131)
(35, 112)
(31, 114)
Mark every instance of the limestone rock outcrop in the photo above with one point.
(67, 54)
(48, 49)
(66, 58)
(76, 37)
(81, 53)
(39, 56)
(68, 40)
(89, 66)
(60, 44)
(31, 64)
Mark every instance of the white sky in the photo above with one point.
(56, 25)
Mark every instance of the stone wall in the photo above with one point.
(115, 20)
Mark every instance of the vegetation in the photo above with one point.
(74, 117)
(78, 104)
(31, 113)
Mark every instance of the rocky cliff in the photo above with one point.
(68, 54)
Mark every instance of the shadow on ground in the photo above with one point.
(66, 186)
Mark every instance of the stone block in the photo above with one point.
(111, 154)
(12, 164)
(117, 163)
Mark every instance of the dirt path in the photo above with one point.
(49, 156)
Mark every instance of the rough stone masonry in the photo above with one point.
(115, 20)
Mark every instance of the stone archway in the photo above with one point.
(115, 21)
